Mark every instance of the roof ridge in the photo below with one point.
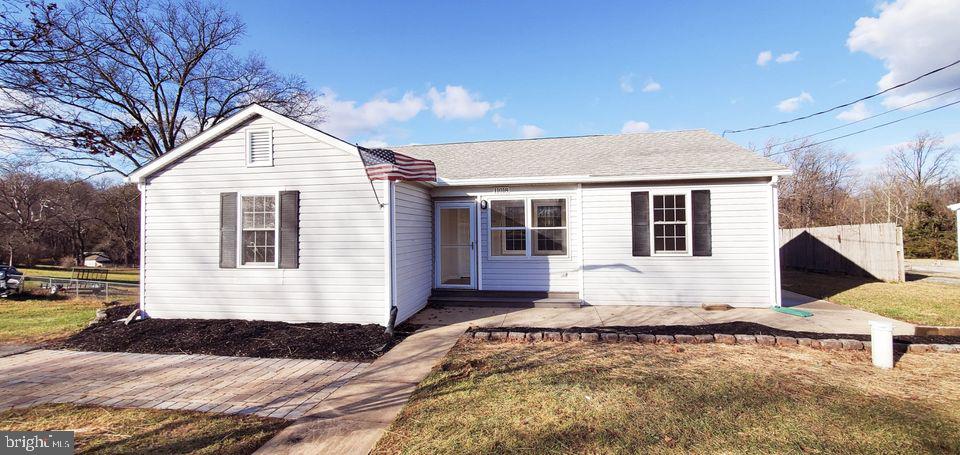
(549, 138)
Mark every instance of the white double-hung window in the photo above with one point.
(258, 224)
(528, 227)
(670, 224)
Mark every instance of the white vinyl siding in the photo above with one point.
(739, 272)
(413, 221)
(341, 274)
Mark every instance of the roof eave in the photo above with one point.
(610, 178)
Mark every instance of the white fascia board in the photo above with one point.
(606, 179)
(203, 138)
(954, 207)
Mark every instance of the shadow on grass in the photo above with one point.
(821, 285)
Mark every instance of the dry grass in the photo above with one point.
(635, 398)
(32, 319)
(918, 302)
(109, 430)
(119, 275)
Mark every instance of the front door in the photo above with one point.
(456, 245)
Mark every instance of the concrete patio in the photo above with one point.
(827, 317)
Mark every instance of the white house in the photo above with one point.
(262, 217)
(956, 209)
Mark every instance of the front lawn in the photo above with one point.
(32, 319)
(111, 430)
(640, 398)
(918, 302)
(117, 275)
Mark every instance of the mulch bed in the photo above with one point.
(232, 337)
(732, 328)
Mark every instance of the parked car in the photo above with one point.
(11, 280)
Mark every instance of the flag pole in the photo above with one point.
(372, 186)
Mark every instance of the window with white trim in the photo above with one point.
(508, 233)
(549, 228)
(258, 242)
(543, 233)
(669, 223)
(259, 147)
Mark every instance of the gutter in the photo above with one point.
(606, 178)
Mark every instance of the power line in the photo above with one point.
(845, 104)
(866, 129)
(866, 118)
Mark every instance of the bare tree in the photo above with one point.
(128, 80)
(26, 206)
(922, 165)
(820, 191)
(120, 214)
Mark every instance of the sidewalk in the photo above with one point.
(352, 419)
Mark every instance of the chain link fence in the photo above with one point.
(104, 290)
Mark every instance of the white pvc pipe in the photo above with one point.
(881, 343)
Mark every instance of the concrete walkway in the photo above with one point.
(828, 317)
(352, 419)
(282, 388)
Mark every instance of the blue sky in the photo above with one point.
(419, 72)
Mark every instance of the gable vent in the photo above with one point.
(260, 147)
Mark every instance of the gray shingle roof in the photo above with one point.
(636, 154)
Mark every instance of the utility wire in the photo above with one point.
(769, 125)
(866, 129)
(866, 118)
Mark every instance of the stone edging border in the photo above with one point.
(722, 338)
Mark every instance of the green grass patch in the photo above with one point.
(115, 275)
(917, 302)
(29, 319)
(638, 398)
(114, 431)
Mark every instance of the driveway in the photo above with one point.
(282, 388)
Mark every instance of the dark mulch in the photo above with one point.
(732, 328)
(232, 337)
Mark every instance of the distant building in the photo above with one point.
(96, 259)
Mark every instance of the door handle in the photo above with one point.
(471, 246)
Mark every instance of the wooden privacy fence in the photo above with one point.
(872, 250)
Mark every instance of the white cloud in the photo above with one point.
(374, 143)
(651, 86)
(792, 104)
(626, 83)
(764, 57)
(857, 112)
(633, 126)
(503, 122)
(788, 57)
(526, 131)
(911, 37)
(531, 131)
(345, 118)
(456, 102)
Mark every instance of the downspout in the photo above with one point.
(777, 292)
(389, 259)
(143, 228)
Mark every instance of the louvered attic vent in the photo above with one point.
(259, 147)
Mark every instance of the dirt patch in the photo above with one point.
(732, 328)
(232, 337)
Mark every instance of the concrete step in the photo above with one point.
(505, 301)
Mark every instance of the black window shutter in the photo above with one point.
(640, 213)
(289, 230)
(228, 230)
(702, 235)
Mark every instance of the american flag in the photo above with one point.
(383, 164)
